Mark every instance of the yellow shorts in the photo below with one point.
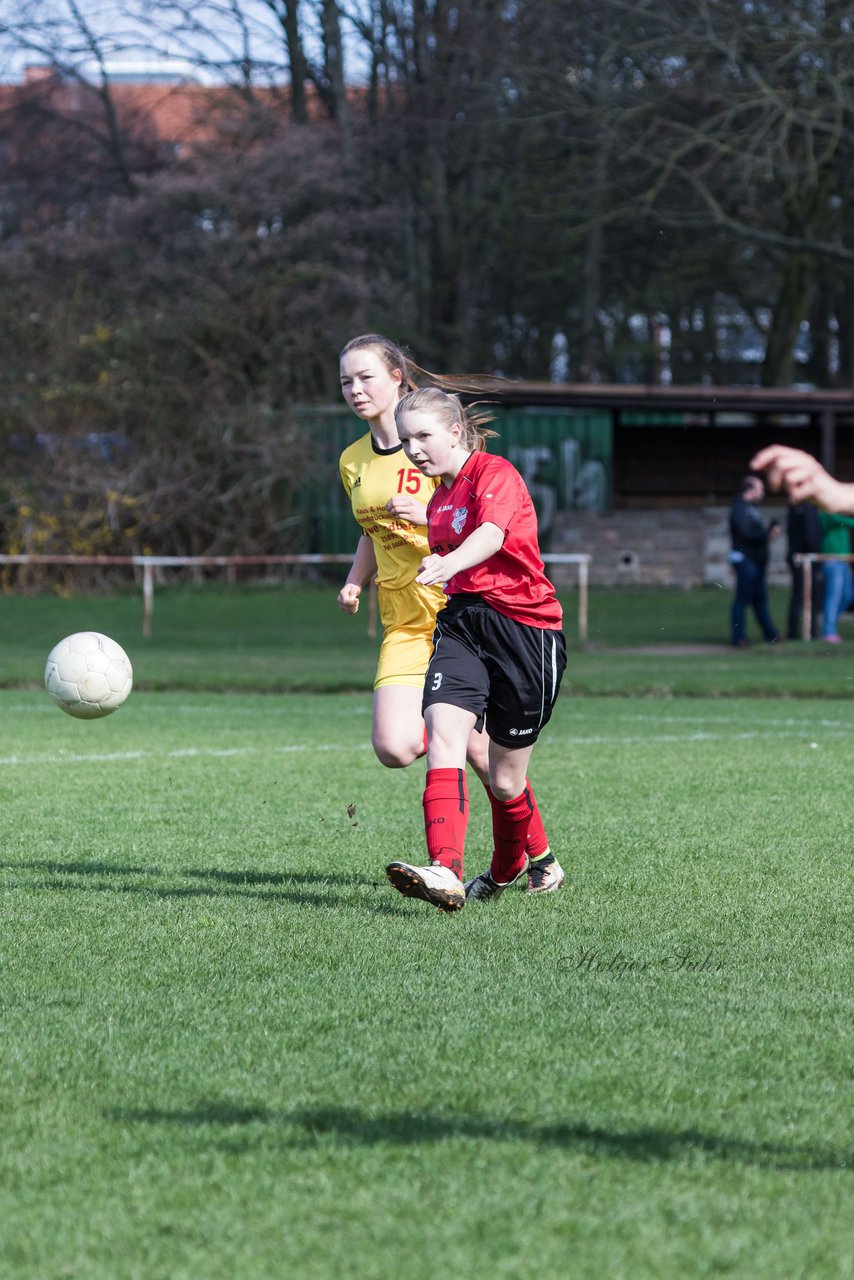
(408, 616)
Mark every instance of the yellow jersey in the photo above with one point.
(371, 476)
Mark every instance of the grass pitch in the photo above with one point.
(229, 1051)
(292, 638)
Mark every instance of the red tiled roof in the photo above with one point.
(180, 113)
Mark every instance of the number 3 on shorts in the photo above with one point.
(437, 682)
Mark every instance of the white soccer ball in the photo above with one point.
(88, 675)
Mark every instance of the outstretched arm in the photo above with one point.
(362, 570)
(478, 546)
(803, 478)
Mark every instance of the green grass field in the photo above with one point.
(229, 1051)
(294, 638)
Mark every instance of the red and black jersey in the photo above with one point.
(490, 490)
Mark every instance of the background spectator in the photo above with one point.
(803, 536)
(749, 557)
(838, 582)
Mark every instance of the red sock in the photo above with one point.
(538, 841)
(511, 820)
(446, 815)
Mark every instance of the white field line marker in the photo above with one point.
(773, 721)
(803, 733)
(150, 708)
(71, 757)
(831, 729)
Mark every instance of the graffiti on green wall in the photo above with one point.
(564, 457)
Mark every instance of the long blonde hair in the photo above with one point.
(395, 357)
(449, 409)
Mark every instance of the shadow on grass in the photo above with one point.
(268, 877)
(103, 877)
(354, 1128)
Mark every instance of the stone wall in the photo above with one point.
(683, 548)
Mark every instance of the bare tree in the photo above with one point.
(73, 88)
(754, 136)
(152, 357)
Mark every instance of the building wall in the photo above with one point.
(677, 548)
(660, 520)
(564, 457)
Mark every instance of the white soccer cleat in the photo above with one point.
(484, 889)
(434, 884)
(545, 876)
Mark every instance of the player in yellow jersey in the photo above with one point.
(389, 500)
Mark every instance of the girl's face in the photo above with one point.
(428, 441)
(367, 385)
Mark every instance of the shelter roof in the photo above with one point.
(699, 400)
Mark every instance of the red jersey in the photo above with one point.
(490, 490)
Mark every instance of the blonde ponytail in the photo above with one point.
(448, 409)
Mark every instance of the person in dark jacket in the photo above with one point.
(749, 557)
(803, 536)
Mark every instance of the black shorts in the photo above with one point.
(505, 672)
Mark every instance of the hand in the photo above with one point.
(348, 597)
(801, 475)
(407, 508)
(434, 569)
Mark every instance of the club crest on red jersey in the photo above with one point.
(458, 519)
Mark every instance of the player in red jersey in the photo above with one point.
(498, 648)
(389, 504)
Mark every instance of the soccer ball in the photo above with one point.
(88, 675)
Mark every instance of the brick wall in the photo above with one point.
(656, 548)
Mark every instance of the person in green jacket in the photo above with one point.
(838, 580)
